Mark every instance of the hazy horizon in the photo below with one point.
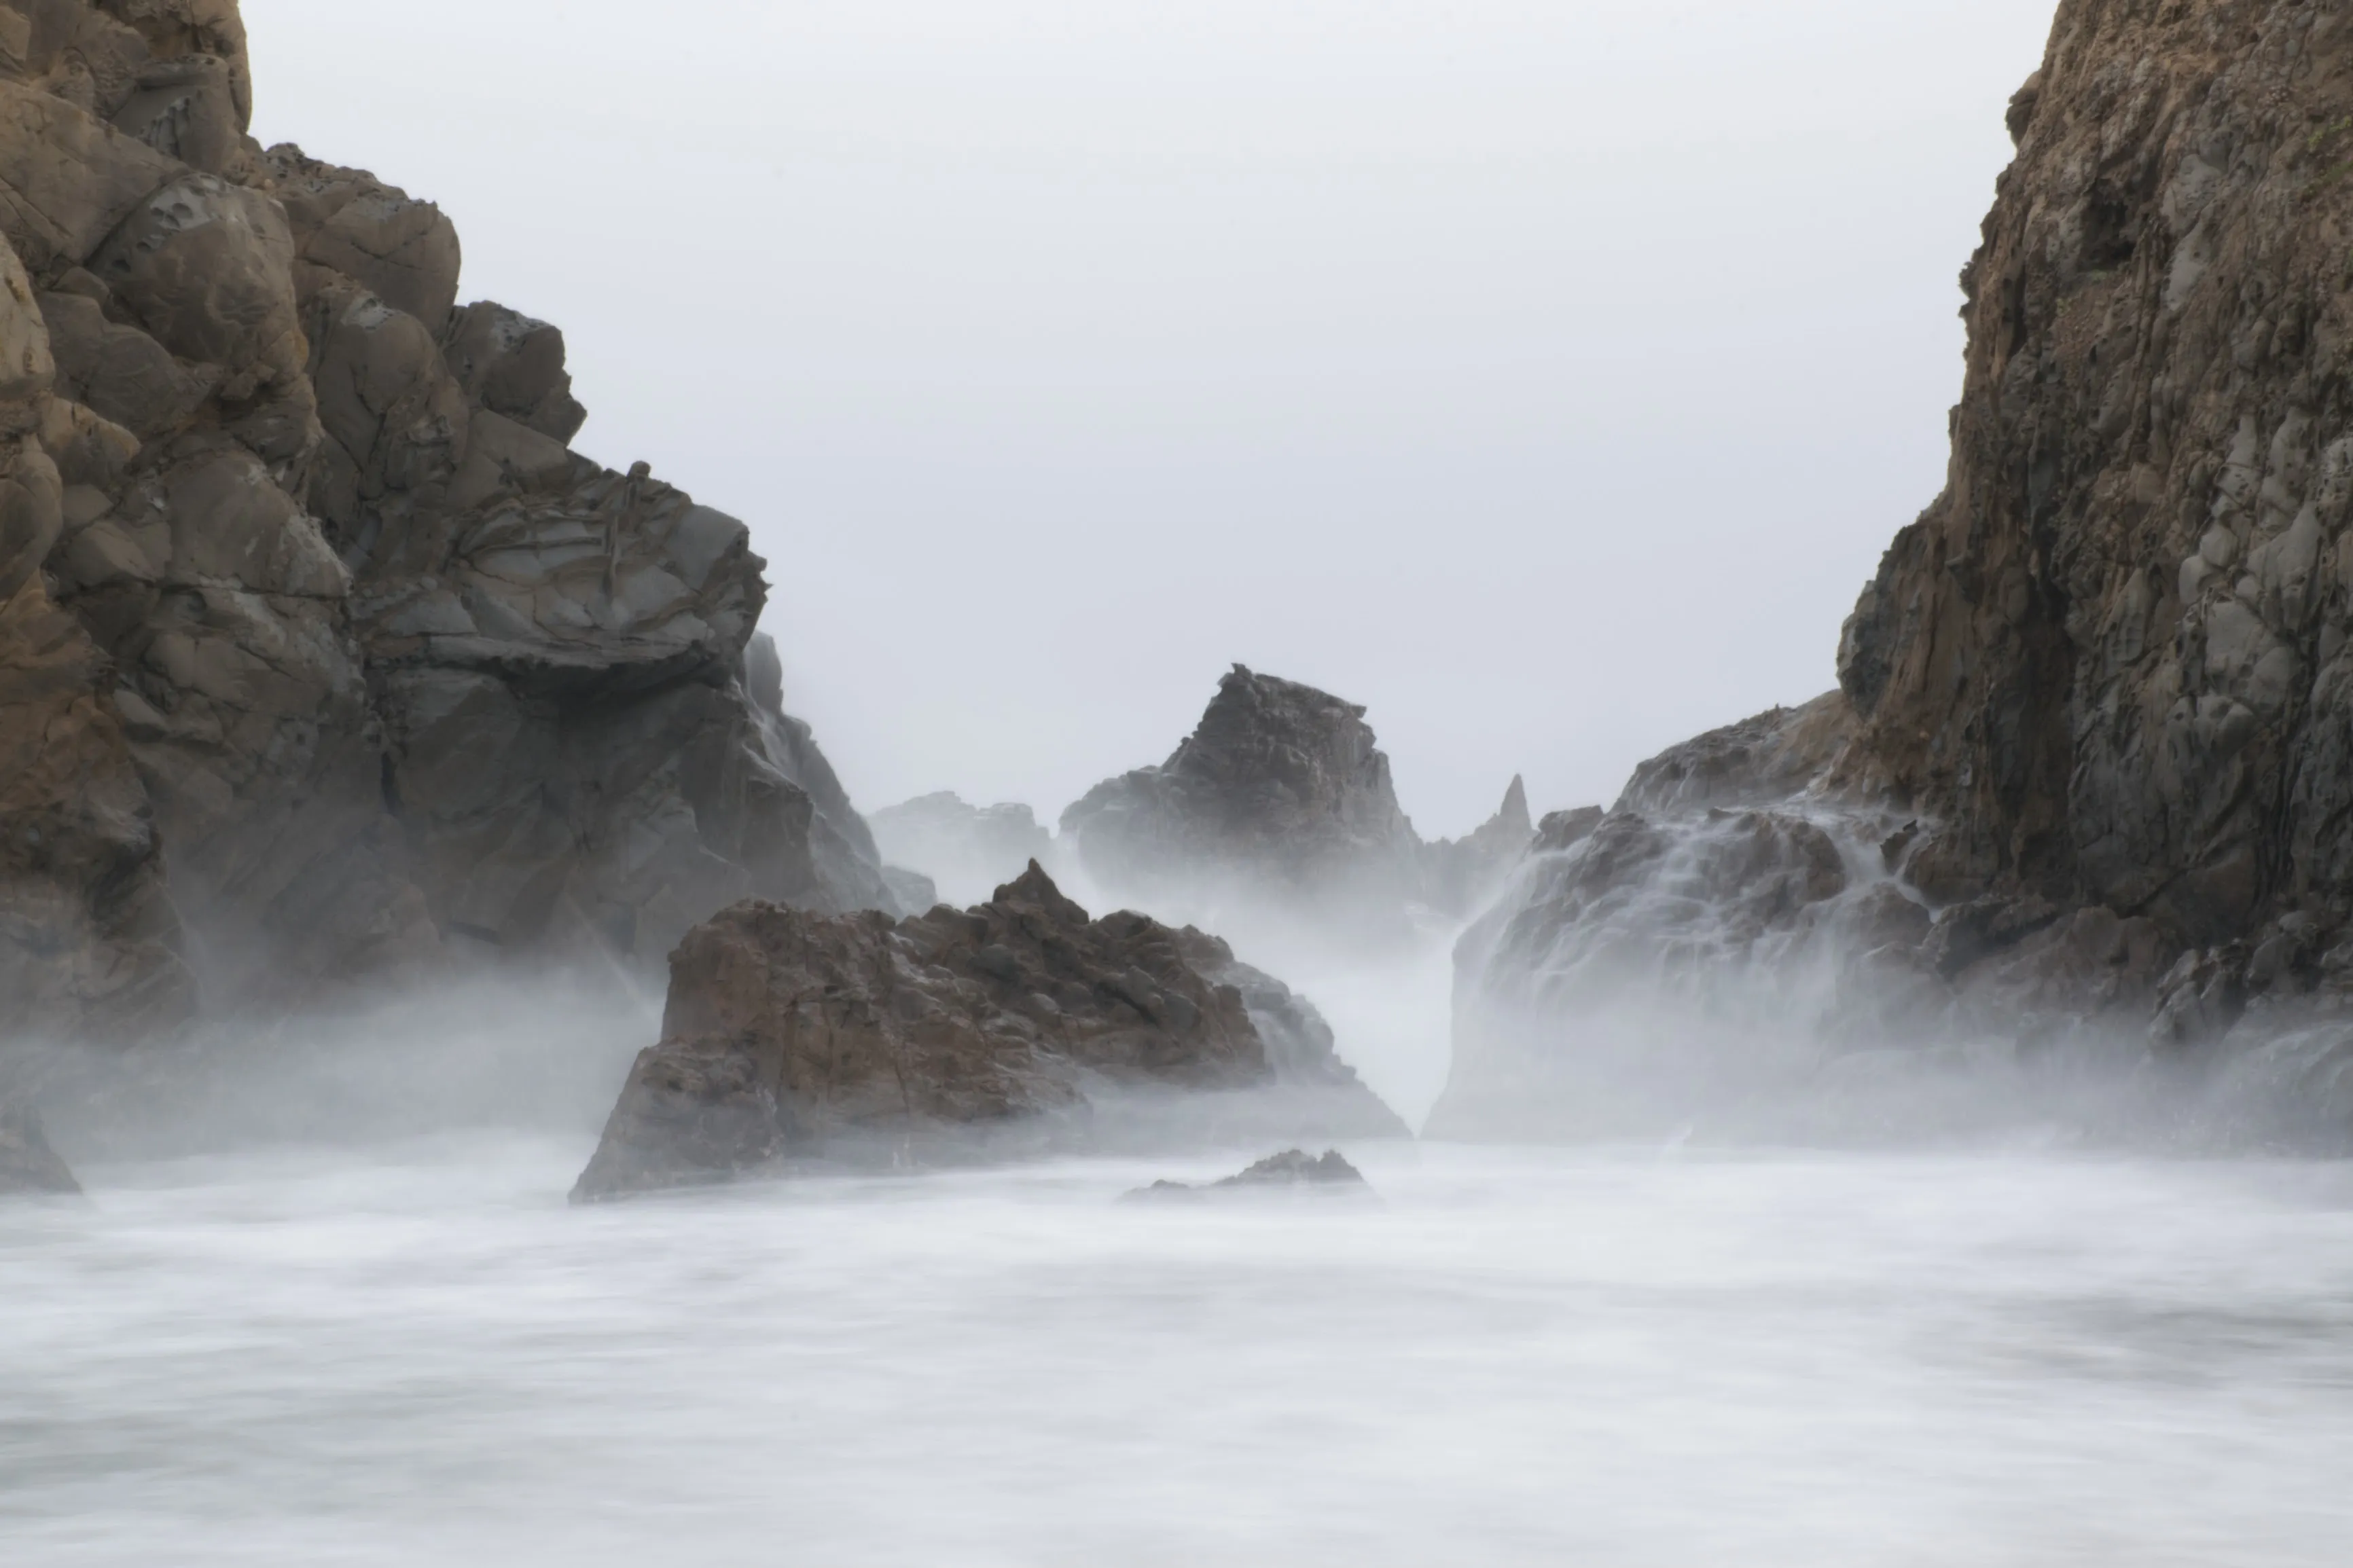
(1546, 378)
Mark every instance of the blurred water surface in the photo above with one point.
(1622, 1358)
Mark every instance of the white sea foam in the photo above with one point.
(1615, 1357)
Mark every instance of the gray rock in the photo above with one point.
(1282, 795)
(1293, 1170)
(1462, 875)
(963, 847)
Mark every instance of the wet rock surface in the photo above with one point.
(371, 672)
(1293, 1170)
(1019, 1026)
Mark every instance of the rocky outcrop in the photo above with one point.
(300, 570)
(846, 863)
(1734, 948)
(1294, 1170)
(1281, 794)
(2109, 666)
(29, 1166)
(961, 847)
(1019, 1025)
(2089, 778)
(1300, 1047)
(1462, 875)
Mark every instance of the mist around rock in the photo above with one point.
(369, 750)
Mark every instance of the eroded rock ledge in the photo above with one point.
(1018, 1027)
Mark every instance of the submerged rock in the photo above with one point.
(28, 1164)
(1291, 1169)
(1022, 1025)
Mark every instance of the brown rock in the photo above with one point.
(791, 1036)
(2110, 661)
(207, 267)
(514, 366)
(67, 180)
(187, 109)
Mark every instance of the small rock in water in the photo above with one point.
(1291, 1168)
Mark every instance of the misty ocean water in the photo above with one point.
(423, 1357)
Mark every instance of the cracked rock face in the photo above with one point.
(29, 1166)
(306, 597)
(2112, 659)
(1020, 1024)
(2099, 699)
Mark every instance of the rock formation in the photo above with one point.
(2110, 666)
(1021, 1024)
(1732, 946)
(1294, 1170)
(321, 654)
(1461, 876)
(29, 1166)
(963, 847)
(1283, 792)
(2100, 696)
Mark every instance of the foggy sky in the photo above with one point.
(1546, 375)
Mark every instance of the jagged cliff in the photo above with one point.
(2110, 664)
(2089, 775)
(322, 655)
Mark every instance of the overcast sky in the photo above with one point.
(1546, 375)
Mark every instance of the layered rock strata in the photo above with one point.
(1283, 792)
(1019, 1026)
(364, 664)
